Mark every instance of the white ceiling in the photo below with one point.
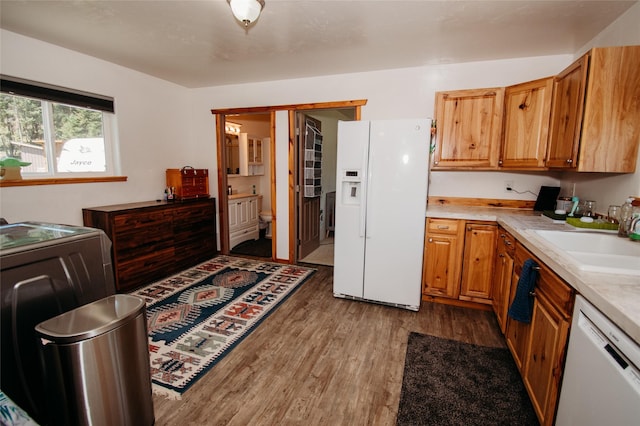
(198, 43)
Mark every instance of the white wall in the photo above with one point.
(397, 93)
(608, 189)
(153, 130)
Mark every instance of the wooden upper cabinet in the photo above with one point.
(527, 111)
(566, 115)
(595, 116)
(469, 126)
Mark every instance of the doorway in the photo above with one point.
(328, 113)
(316, 182)
(247, 175)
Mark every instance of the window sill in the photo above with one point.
(61, 181)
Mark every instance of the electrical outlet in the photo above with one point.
(508, 185)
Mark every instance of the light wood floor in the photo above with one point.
(323, 255)
(319, 360)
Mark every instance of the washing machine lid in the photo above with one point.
(25, 234)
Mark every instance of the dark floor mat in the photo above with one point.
(260, 248)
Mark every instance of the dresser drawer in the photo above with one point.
(127, 222)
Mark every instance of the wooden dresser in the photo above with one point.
(152, 240)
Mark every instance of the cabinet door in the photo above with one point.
(469, 125)
(441, 266)
(526, 124)
(253, 210)
(255, 151)
(566, 115)
(477, 263)
(503, 270)
(234, 215)
(244, 213)
(544, 359)
(517, 334)
(611, 122)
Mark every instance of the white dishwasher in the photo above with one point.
(601, 384)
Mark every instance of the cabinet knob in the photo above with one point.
(472, 146)
(500, 162)
(569, 161)
(532, 293)
(507, 243)
(430, 240)
(435, 162)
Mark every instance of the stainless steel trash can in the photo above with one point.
(96, 362)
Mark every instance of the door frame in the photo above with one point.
(223, 205)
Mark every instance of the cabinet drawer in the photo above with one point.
(443, 226)
(506, 242)
(559, 294)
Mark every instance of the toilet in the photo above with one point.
(265, 219)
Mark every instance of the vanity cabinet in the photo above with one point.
(539, 348)
(595, 116)
(469, 125)
(458, 260)
(243, 219)
(527, 112)
(503, 271)
(152, 240)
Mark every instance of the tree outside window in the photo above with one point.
(55, 138)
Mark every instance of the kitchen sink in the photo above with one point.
(596, 251)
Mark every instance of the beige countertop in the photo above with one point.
(617, 296)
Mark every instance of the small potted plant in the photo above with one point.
(10, 168)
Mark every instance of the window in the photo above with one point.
(62, 133)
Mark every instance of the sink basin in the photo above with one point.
(597, 252)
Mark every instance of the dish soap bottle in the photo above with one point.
(625, 218)
(634, 225)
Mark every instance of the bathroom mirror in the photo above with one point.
(233, 154)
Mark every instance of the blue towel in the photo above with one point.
(521, 308)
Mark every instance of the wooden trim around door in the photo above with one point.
(223, 204)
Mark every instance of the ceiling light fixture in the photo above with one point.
(246, 11)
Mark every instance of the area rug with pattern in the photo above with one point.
(196, 317)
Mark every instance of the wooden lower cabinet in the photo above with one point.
(539, 348)
(442, 258)
(458, 260)
(503, 272)
(477, 263)
(152, 240)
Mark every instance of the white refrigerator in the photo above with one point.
(381, 200)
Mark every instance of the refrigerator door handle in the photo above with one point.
(363, 196)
